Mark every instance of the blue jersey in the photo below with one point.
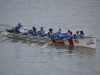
(41, 33)
(71, 36)
(82, 35)
(59, 31)
(32, 32)
(50, 35)
(17, 28)
(76, 36)
(66, 35)
(59, 36)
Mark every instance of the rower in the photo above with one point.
(16, 29)
(50, 33)
(41, 32)
(81, 34)
(24, 31)
(67, 34)
(71, 35)
(76, 35)
(59, 31)
(59, 35)
(32, 31)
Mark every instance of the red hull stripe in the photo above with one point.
(61, 42)
(71, 42)
(54, 41)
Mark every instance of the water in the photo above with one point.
(38, 59)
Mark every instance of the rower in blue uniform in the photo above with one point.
(50, 33)
(59, 31)
(76, 35)
(41, 32)
(67, 34)
(59, 35)
(32, 32)
(82, 35)
(71, 35)
(16, 29)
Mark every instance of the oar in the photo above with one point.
(87, 36)
(45, 45)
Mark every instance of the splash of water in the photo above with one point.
(45, 45)
(19, 43)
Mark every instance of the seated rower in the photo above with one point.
(16, 29)
(50, 33)
(76, 35)
(59, 34)
(71, 35)
(41, 32)
(66, 35)
(82, 35)
(32, 31)
(59, 31)
(24, 31)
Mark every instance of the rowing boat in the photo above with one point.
(89, 42)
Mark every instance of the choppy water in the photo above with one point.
(35, 59)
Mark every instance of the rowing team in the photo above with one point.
(50, 34)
